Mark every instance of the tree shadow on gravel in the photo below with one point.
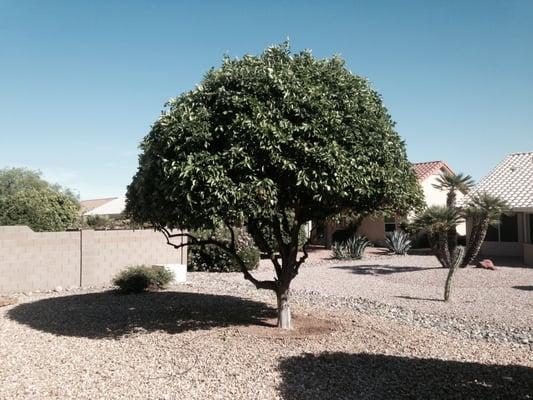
(525, 287)
(111, 315)
(419, 298)
(370, 376)
(381, 269)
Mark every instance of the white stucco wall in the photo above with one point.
(436, 197)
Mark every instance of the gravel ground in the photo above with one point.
(493, 305)
(211, 339)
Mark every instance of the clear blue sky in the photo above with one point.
(82, 81)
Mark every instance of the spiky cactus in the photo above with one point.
(458, 256)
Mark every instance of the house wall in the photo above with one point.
(436, 197)
(373, 228)
(508, 249)
(528, 254)
(501, 249)
(44, 260)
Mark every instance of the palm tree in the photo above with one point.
(484, 210)
(437, 221)
(453, 183)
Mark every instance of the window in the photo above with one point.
(492, 234)
(505, 231)
(530, 228)
(390, 224)
(509, 228)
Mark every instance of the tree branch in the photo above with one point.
(263, 242)
(304, 257)
(271, 285)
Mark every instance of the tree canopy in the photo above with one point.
(27, 199)
(272, 141)
(265, 133)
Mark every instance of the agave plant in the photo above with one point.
(484, 210)
(398, 242)
(352, 248)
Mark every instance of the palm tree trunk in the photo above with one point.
(442, 251)
(477, 236)
(457, 260)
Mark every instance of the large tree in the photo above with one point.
(271, 142)
(27, 199)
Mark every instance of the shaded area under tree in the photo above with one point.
(110, 315)
(377, 376)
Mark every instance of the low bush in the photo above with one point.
(398, 242)
(139, 278)
(213, 259)
(353, 248)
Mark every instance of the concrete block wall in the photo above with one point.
(44, 260)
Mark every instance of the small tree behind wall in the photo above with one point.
(271, 142)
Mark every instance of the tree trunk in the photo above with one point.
(452, 240)
(457, 260)
(284, 309)
(442, 252)
(477, 236)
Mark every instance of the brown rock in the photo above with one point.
(486, 264)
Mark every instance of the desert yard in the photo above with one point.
(369, 329)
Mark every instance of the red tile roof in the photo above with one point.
(425, 169)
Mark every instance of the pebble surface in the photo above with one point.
(203, 340)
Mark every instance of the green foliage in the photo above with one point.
(272, 243)
(137, 279)
(97, 221)
(266, 135)
(484, 206)
(27, 199)
(105, 222)
(353, 248)
(437, 219)
(453, 183)
(483, 209)
(213, 259)
(398, 242)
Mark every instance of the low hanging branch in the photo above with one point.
(231, 250)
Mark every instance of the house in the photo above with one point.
(105, 213)
(112, 207)
(512, 181)
(375, 228)
(89, 205)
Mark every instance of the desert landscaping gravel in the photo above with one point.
(212, 338)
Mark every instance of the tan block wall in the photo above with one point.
(104, 253)
(30, 261)
(44, 260)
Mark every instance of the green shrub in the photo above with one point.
(398, 242)
(353, 248)
(213, 259)
(140, 278)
